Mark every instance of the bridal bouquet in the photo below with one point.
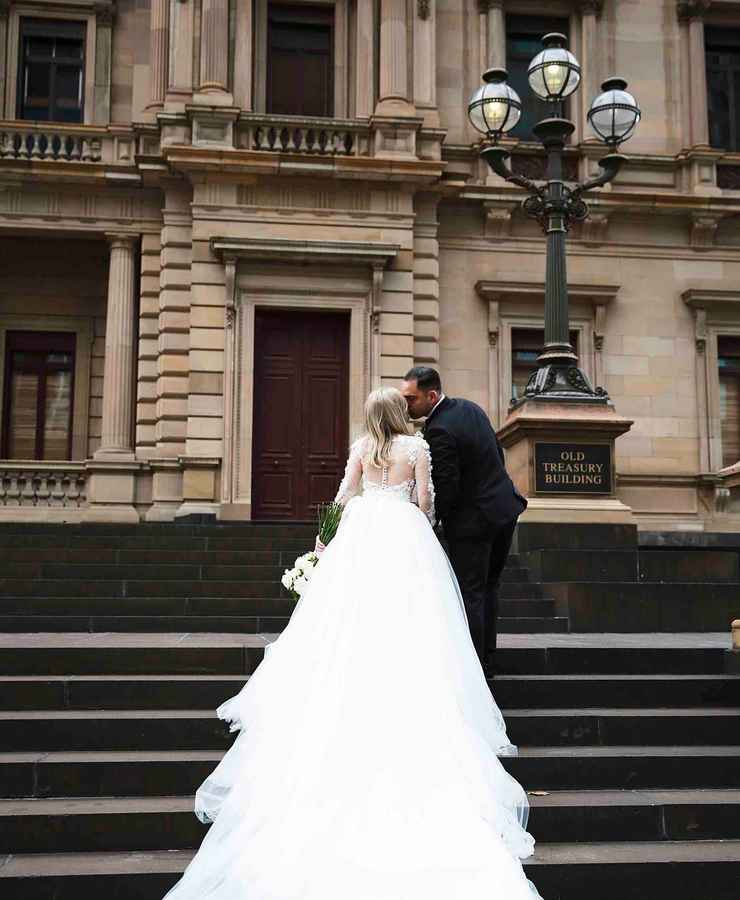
(296, 579)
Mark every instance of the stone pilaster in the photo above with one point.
(159, 50)
(395, 91)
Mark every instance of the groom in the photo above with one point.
(476, 500)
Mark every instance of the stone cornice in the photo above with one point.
(692, 9)
(523, 291)
(185, 158)
(375, 254)
(714, 300)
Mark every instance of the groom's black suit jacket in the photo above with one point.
(474, 495)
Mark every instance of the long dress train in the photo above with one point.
(367, 761)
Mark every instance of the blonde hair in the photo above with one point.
(386, 415)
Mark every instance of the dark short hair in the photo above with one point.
(426, 378)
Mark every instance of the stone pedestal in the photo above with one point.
(561, 457)
(199, 486)
(111, 490)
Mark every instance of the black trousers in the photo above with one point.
(478, 564)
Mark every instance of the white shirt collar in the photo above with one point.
(441, 398)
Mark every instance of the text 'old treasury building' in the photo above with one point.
(224, 222)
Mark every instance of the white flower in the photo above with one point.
(287, 580)
(300, 585)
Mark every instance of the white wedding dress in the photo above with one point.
(366, 767)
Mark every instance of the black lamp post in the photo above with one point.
(494, 109)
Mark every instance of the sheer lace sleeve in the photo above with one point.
(350, 484)
(422, 460)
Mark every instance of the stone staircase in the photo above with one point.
(117, 645)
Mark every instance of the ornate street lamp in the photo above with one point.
(495, 109)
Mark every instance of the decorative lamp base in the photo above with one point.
(560, 455)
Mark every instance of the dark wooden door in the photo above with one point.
(301, 411)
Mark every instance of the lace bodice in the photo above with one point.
(407, 477)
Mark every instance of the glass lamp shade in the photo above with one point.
(554, 73)
(614, 114)
(494, 108)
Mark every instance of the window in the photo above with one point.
(722, 47)
(300, 60)
(50, 78)
(39, 388)
(526, 346)
(728, 353)
(523, 42)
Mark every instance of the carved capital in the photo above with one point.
(105, 13)
(498, 219)
(692, 9)
(595, 7)
(704, 229)
(594, 229)
(494, 324)
(485, 5)
(423, 8)
(230, 263)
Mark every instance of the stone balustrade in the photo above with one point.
(43, 485)
(53, 142)
(298, 134)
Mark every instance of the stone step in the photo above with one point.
(147, 624)
(177, 529)
(631, 870)
(531, 624)
(64, 825)
(125, 573)
(605, 727)
(510, 691)
(597, 565)
(536, 607)
(514, 573)
(535, 691)
(643, 607)
(522, 590)
(197, 729)
(180, 653)
(221, 624)
(184, 605)
(136, 540)
(683, 564)
(61, 587)
(137, 773)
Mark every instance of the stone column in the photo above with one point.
(118, 375)
(590, 71)
(495, 34)
(4, 11)
(394, 61)
(698, 80)
(214, 47)
(159, 52)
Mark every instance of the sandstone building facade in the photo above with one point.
(222, 222)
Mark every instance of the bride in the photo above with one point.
(366, 767)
